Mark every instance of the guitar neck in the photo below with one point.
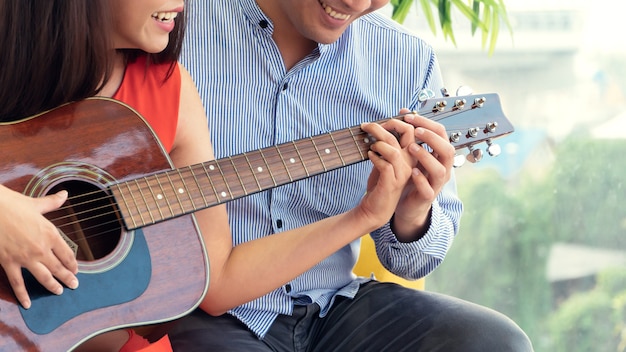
(468, 120)
(165, 195)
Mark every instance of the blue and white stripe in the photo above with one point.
(252, 102)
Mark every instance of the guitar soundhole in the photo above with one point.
(88, 219)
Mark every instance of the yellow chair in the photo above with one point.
(368, 263)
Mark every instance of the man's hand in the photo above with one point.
(392, 169)
(432, 169)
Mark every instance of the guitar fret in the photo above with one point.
(319, 155)
(211, 167)
(267, 167)
(332, 138)
(238, 174)
(143, 197)
(127, 207)
(156, 200)
(259, 169)
(329, 152)
(358, 146)
(193, 174)
(165, 195)
(352, 148)
(310, 157)
(282, 159)
(137, 208)
(295, 147)
(225, 181)
(174, 191)
(184, 189)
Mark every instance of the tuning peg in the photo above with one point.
(493, 149)
(459, 160)
(475, 155)
(464, 90)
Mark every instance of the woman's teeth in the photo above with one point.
(165, 16)
(334, 14)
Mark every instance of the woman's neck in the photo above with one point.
(117, 75)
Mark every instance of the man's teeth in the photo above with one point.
(334, 14)
(165, 16)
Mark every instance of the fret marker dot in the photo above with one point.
(211, 167)
(223, 194)
(292, 160)
(259, 169)
(366, 140)
(159, 196)
(327, 151)
(181, 191)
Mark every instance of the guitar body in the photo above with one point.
(127, 278)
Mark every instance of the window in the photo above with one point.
(543, 237)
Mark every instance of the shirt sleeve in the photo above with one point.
(413, 260)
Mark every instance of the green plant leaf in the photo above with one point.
(484, 15)
(428, 14)
(476, 9)
(401, 9)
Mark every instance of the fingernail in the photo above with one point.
(73, 284)
(409, 117)
(419, 131)
(26, 304)
(58, 291)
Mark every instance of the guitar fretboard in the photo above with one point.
(152, 199)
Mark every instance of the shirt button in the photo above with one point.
(288, 288)
(285, 86)
(263, 24)
(279, 223)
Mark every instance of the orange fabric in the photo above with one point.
(156, 100)
(136, 343)
(163, 345)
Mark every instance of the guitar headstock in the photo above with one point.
(470, 120)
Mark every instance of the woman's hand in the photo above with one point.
(29, 240)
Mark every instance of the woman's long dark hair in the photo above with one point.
(58, 51)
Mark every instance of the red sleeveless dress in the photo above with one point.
(153, 97)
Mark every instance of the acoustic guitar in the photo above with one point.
(136, 268)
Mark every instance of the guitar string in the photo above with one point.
(316, 157)
(314, 153)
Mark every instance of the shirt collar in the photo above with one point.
(257, 18)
